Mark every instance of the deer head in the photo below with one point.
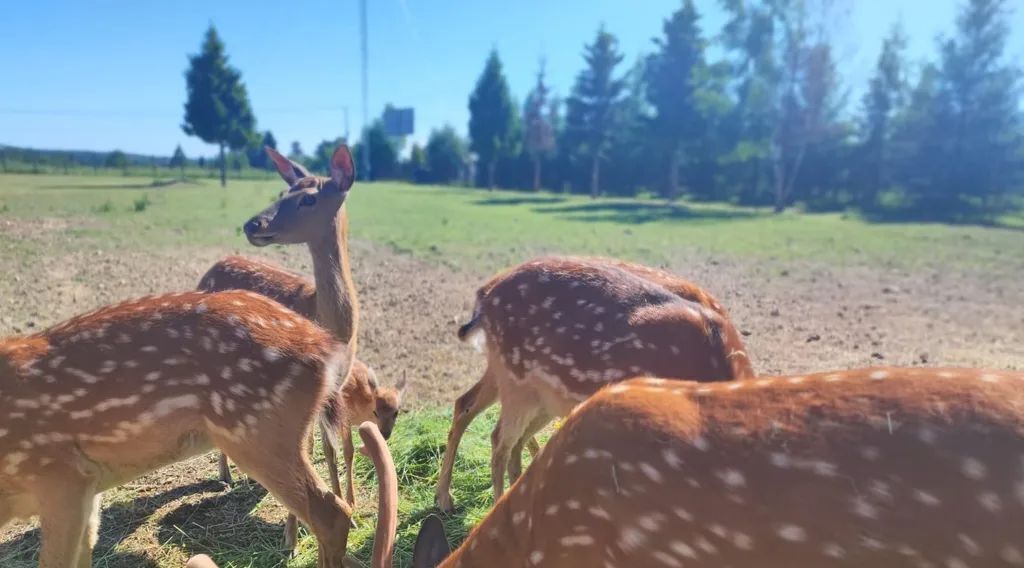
(311, 202)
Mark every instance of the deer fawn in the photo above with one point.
(558, 329)
(360, 400)
(105, 397)
(872, 467)
(311, 211)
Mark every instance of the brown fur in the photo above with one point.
(557, 329)
(878, 467)
(105, 397)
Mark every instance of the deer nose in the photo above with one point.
(255, 225)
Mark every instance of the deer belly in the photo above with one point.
(121, 462)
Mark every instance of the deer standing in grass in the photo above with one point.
(311, 211)
(881, 467)
(108, 396)
(556, 330)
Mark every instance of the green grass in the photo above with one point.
(467, 227)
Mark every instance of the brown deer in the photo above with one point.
(557, 329)
(879, 467)
(360, 400)
(311, 211)
(105, 397)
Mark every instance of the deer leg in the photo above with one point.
(467, 407)
(532, 446)
(515, 464)
(225, 470)
(92, 534)
(514, 422)
(287, 474)
(332, 462)
(348, 452)
(65, 510)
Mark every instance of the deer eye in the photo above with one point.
(375, 414)
(307, 200)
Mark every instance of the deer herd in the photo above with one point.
(673, 453)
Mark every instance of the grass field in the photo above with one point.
(469, 226)
(69, 243)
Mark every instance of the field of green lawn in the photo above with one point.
(466, 228)
(461, 225)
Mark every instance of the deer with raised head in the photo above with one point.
(311, 211)
(108, 396)
(557, 329)
(878, 467)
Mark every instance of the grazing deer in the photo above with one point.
(558, 329)
(105, 397)
(872, 467)
(360, 400)
(311, 211)
(387, 502)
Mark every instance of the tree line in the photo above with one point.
(768, 123)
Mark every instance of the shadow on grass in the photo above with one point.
(911, 215)
(633, 212)
(224, 527)
(530, 200)
(117, 523)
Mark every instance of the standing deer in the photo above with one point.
(878, 467)
(108, 396)
(311, 211)
(557, 329)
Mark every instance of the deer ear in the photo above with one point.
(402, 384)
(343, 170)
(290, 171)
(431, 544)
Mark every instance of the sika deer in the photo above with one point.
(558, 329)
(873, 467)
(387, 502)
(360, 400)
(105, 397)
(311, 211)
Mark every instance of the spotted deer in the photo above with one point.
(311, 211)
(871, 467)
(387, 502)
(108, 396)
(557, 329)
(360, 400)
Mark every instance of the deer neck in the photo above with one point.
(337, 308)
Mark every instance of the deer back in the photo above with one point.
(873, 467)
(588, 323)
(128, 388)
(240, 273)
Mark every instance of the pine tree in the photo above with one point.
(217, 109)
(593, 105)
(540, 133)
(178, 160)
(674, 76)
(884, 99)
(491, 117)
(977, 109)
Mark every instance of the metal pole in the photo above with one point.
(366, 120)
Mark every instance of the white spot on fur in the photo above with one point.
(792, 533)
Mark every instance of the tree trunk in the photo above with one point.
(491, 166)
(673, 174)
(223, 167)
(595, 175)
(536, 173)
(183, 172)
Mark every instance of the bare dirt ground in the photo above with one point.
(796, 317)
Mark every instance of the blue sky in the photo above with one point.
(104, 74)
